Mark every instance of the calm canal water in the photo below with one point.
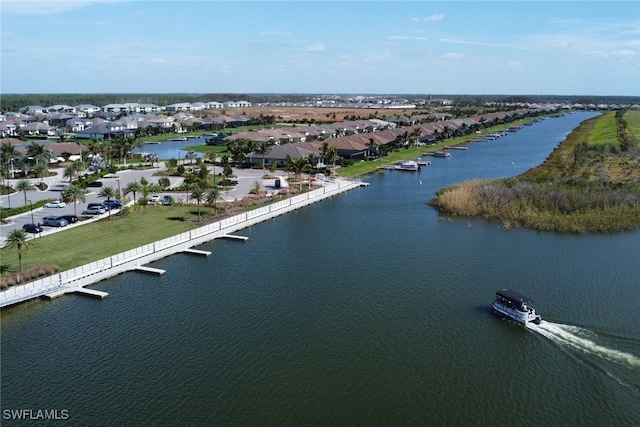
(171, 149)
(366, 309)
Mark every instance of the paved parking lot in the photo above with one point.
(246, 182)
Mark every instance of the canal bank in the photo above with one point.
(74, 280)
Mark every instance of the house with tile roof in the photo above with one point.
(105, 131)
(278, 154)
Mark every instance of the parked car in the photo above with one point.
(55, 204)
(167, 200)
(32, 228)
(95, 184)
(54, 221)
(113, 204)
(93, 210)
(70, 218)
(154, 199)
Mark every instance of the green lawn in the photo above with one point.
(605, 130)
(81, 245)
(633, 122)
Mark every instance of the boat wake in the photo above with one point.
(583, 340)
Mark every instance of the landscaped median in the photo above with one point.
(100, 269)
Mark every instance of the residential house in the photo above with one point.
(61, 109)
(61, 150)
(38, 129)
(182, 106)
(87, 108)
(104, 131)
(119, 108)
(278, 154)
(147, 108)
(236, 104)
(34, 109)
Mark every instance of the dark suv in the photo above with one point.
(112, 204)
(32, 228)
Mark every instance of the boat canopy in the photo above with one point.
(513, 296)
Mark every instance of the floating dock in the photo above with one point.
(90, 292)
(151, 270)
(196, 252)
(232, 237)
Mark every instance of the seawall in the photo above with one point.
(70, 280)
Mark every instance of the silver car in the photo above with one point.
(54, 221)
(93, 210)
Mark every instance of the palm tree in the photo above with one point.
(213, 157)
(24, 185)
(132, 187)
(297, 165)
(41, 170)
(263, 149)
(8, 152)
(18, 238)
(74, 194)
(191, 155)
(198, 194)
(212, 197)
(324, 149)
(38, 152)
(73, 170)
(332, 155)
(109, 193)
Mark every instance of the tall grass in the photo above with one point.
(544, 206)
(587, 184)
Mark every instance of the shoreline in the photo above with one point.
(71, 281)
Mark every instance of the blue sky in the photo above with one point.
(383, 47)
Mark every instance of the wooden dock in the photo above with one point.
(151, 270)
(196, 252)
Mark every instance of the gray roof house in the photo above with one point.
(103, 131)
(278, 154)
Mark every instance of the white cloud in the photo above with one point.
(515, 65)
(418, 38)
(452, 56)
(315, 48)
(625, 53)
(470, 42)
(431, 18)
(275, 33)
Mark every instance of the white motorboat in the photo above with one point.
(409, 165)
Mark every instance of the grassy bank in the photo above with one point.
(90, 242)
(589, 183)
(369, 166)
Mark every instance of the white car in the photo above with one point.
(55, 204)
(154, 199)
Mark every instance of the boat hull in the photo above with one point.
(519, 316)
